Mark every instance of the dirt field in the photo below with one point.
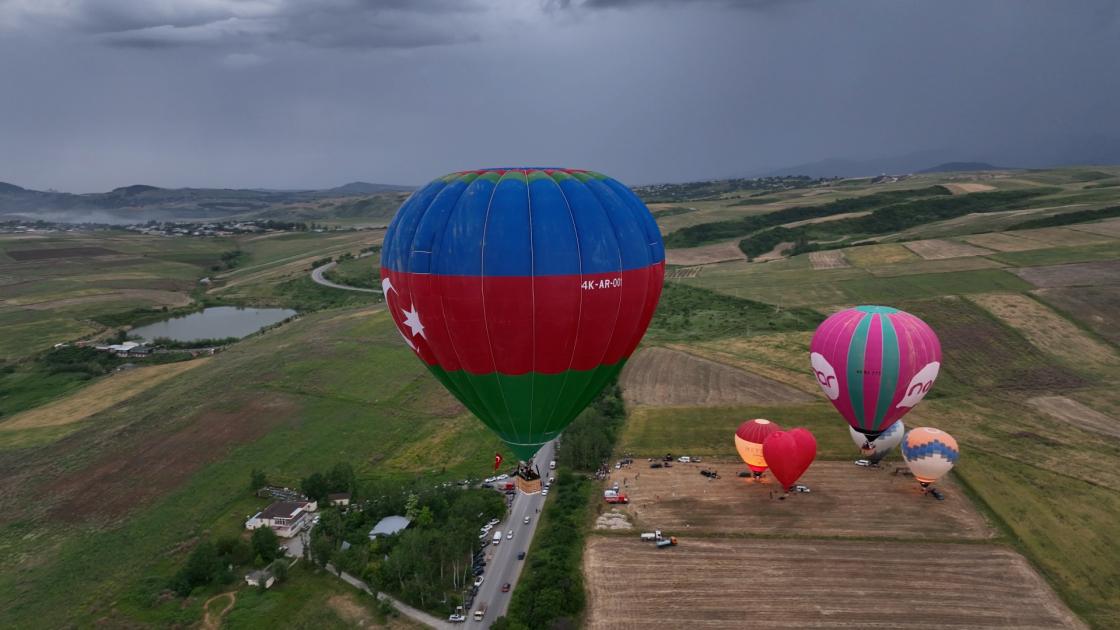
(664, 377)
(831, 259)
(1059, 236)
(706, 255)
(1096, 307)
(961, 189)
(680, 499)
(874, 255)
(1077, 414)
(738, 583)
(1072, 275)
(157, 297)
(98, 397)
(1110, 227)
(1003, 242)
(119, 482)
(1047, 330)
(937, 249)
(59, 252)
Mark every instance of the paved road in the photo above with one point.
(317, 276)
(502, 564)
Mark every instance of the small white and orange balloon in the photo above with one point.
(930, 454)
(748, 441)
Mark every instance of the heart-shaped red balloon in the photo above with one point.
(789, 453)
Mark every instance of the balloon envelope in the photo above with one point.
(881, 445)
(749, 439)
(874, 363)
(523, 290)
(789, 454)
(930, 453)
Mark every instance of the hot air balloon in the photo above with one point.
(880, 446)
(523, 290)
(748, 441)
(874, 363)
(789, 454)
(930, 453)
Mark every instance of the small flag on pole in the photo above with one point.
(497, 460)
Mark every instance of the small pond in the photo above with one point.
(216, 322)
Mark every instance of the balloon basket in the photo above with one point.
(528, 486)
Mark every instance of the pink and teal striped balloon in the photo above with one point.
(875, 363)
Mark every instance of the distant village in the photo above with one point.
(173, 228)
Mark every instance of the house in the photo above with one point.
(388, 526)
(138, 351)
(260, 576)
(340, 499)
(286, 518)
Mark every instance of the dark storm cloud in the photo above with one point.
(301, 93)
(248, 23)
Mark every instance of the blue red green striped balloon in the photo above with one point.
(874, 363)
(524, 290)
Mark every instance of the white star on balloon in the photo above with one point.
(412, 320)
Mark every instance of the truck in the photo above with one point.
(480, 612)
(497, 538)
(666, 542)
(614, 496)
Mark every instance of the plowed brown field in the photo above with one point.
(1090, 274)
(842, 503)
(664, 377)
(936, 249)
(742, 583)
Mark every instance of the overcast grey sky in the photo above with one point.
(313, 93)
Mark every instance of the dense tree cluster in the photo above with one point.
(1068, 218)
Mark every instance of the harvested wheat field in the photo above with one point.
(1077, 414)
(680, 499)
(831, 259)
(680, 273)
(664, 377)
(1003, 242)
(98, 397)
(1047, 330)
(875, 255)
(1089, 274)
(963, 189)
(740, 583)
(937, 249)
(706, 255)
(1062, 237)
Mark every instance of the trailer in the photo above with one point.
(666, 542)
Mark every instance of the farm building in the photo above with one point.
(388, 526)
(286, 518)
(340, 499)
(259, 577)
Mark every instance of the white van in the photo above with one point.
(497, 538)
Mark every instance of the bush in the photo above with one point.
(265, 544)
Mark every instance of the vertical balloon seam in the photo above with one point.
(533, 302)
(888, 372)
(482, 299)
(582, 393)
(856, 349)
(618, 309)
(579, 311)
(465, 391)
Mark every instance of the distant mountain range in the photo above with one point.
(139, 203)
(1038, 152)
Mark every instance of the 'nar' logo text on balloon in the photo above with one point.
(826, 376)
(920, 385)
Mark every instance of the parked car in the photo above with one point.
(505, 587)
(457, 618)
(544, 493)
(478, 580)
(655, 465)
(493, 522)
(487, 485)
(521, 555)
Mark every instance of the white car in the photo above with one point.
(502, 477)
(526, 521)
(457, 618)
(544, 493)
(493, 522)
(478, 580)
(509, 534)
